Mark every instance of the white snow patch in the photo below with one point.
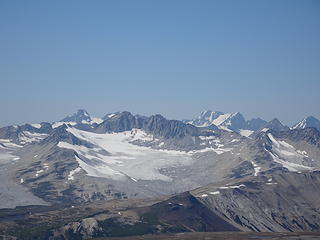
(264, 129)
(245, 132)
(70, 176)
(208, 149)
(8, 144)
(38, 172)
(57, 124)
(218, 150)
(207, 137)
(301, 124)
(256, 168)
(303, 153)
(233, 187)
(219, 120)
(29, 137)
(21, 180)
(214, 193)
(204, 195)
(100, 171)
(133, 179)
(111, 115)
(7, 151)
(221, 150)
(287, 155)
(85, 122)
(96, 120)
(36, 125)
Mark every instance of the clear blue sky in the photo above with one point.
(176, 58)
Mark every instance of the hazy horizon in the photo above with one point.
(176, 58)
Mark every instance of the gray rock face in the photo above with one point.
(235, 122)
(309, 135)
(271, 202)
(85, 229)
(13, 132)
(255, 124)
(120, 122)
(157, 125)
(161, 127)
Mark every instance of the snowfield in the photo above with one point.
(29, 137)
(245, 132)
(287, 155)
(114, 156)
(7, 151)
(222, 118)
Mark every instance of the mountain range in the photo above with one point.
(218, 172)
(236, 122)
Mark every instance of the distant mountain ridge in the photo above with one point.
(237, 123)
(228, 121)
(212, 120)
(223, 164)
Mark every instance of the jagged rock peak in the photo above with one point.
(78, 117)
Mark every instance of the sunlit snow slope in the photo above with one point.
(114, 156)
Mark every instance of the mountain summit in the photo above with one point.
(228, 121)
(78, 117)
(308, 122)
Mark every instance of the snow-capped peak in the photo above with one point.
(78, 117)
(227, 121)
(209, 115)
(308, 122)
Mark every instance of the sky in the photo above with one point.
(173, 57)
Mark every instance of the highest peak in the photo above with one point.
(78, 117)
